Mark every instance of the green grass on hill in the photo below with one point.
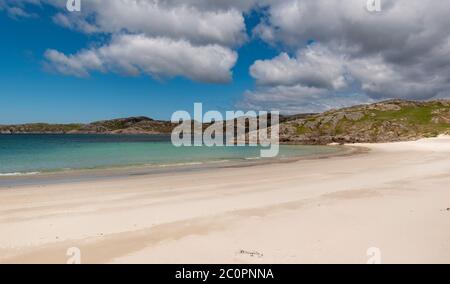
(419, 118)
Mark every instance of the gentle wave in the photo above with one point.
(18, 174)
(187, 163)
(164, 165)
(177, 164)
(253, 158)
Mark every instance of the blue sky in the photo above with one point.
(29, 93)
(119, 58)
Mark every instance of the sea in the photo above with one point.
(27, 154)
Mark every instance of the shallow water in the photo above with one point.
(30, 154)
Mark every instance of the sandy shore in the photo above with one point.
(394, 198)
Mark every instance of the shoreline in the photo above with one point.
(394, 197)
(66, 175)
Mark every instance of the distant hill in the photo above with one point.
(131, 125)
(389, 121)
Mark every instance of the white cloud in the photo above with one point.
(299, 99)
(77, 65)
(314, 66)
(198, 23)
(401, 52)
(162, 38)
(157, 57)
(315, 80)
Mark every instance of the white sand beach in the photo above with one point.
(396, 198)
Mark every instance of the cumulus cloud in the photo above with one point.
(315, 80)
(162, 38)
(401, 52)
(159, 19)
(157, 57)
(299, 99)
(314, 66)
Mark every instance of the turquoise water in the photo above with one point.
(21, 154)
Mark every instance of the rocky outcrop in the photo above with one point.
(388, 121)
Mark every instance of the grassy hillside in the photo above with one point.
(380, 122)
